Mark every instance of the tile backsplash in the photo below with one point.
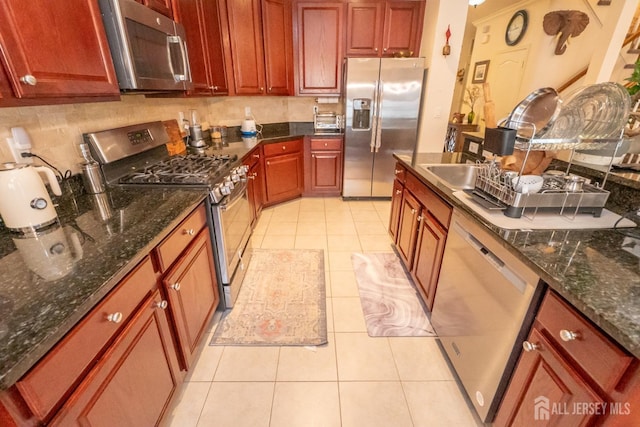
(56, 130)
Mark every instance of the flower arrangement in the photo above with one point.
(473, 94)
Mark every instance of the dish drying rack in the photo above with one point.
(493, 187)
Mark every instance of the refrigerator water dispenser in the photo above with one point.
(361, 114)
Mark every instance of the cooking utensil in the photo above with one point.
(603, 108)
(25, 205)
(540, 108)
(574, 183)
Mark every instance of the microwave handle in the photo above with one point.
(183, 53)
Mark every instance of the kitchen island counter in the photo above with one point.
(595, 270)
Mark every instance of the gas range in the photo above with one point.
(136, 156)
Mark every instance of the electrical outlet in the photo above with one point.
(18, 144)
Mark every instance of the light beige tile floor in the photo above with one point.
(354, 380)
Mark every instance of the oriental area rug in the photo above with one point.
(282, 301)
(390, 303)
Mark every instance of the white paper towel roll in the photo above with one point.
(327, 100)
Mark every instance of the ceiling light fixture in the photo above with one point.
(474, 3)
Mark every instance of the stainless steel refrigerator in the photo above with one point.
(382, 105)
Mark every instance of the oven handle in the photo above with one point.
(232, 199)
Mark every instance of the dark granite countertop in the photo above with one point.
(43, 296)
(597, 271)
(107, 235)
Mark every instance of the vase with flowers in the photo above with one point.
(473, 94)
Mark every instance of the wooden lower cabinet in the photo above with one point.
(428, 257)
(408, 228)
(418, 224)
(255, 183)
(283, 170)
(557, 381)
(396, 204)
(192, 292)
(132, 384)
(323, 167)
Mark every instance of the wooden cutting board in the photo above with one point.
(176, 144)
(489, 107)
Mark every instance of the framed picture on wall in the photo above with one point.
(480, 72)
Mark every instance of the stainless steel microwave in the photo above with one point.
(148, 49)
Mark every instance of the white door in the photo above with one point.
(505, 77)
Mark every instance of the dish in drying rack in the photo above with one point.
(535, 114)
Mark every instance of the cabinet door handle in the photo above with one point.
(375, 49)
(384, 50)
(284, 147)
(396, 171)
(261, 89)
(161, 304)
(530, 346)
(268, 163)
(270, 89)
(257, 156)
(28, 79)
(115, 317)
(251, 177)
(326, 144)
(175, 286)
(420, 218)
(413, 211)
(398, 192)
(566, 335)
(189, 231)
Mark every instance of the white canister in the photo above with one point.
(25, 204)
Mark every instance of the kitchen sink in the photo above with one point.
(454, 176)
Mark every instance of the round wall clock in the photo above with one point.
(516, 28)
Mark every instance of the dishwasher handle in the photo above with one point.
(513, 278)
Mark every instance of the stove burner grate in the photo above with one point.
(187, 169)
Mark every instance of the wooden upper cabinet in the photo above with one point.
(364, 28)
(247, 52)
(56, 51)
(260, 37)
(160, 6)
(201, 20)
(402, 28)
(384, 28)
(278, 46)
(319, 33)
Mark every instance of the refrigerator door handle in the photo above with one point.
(378, 131)
(374, 117)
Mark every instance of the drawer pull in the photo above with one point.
(115, 317)
(396, 171)
(420, 218)
(257, 156)
(529, 346)
(175, 286)
(284, 147)
(413, 211)
(161, 304)
(398, 191)
(189, 232)
(28, 79)
(326, 145)
(251, 177)
(567, 336)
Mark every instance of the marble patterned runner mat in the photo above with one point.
(282, 301)
(390, 303)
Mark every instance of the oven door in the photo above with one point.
(232, 229)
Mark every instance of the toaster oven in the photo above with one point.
(327, 122)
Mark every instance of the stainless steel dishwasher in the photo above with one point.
(483, 309)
